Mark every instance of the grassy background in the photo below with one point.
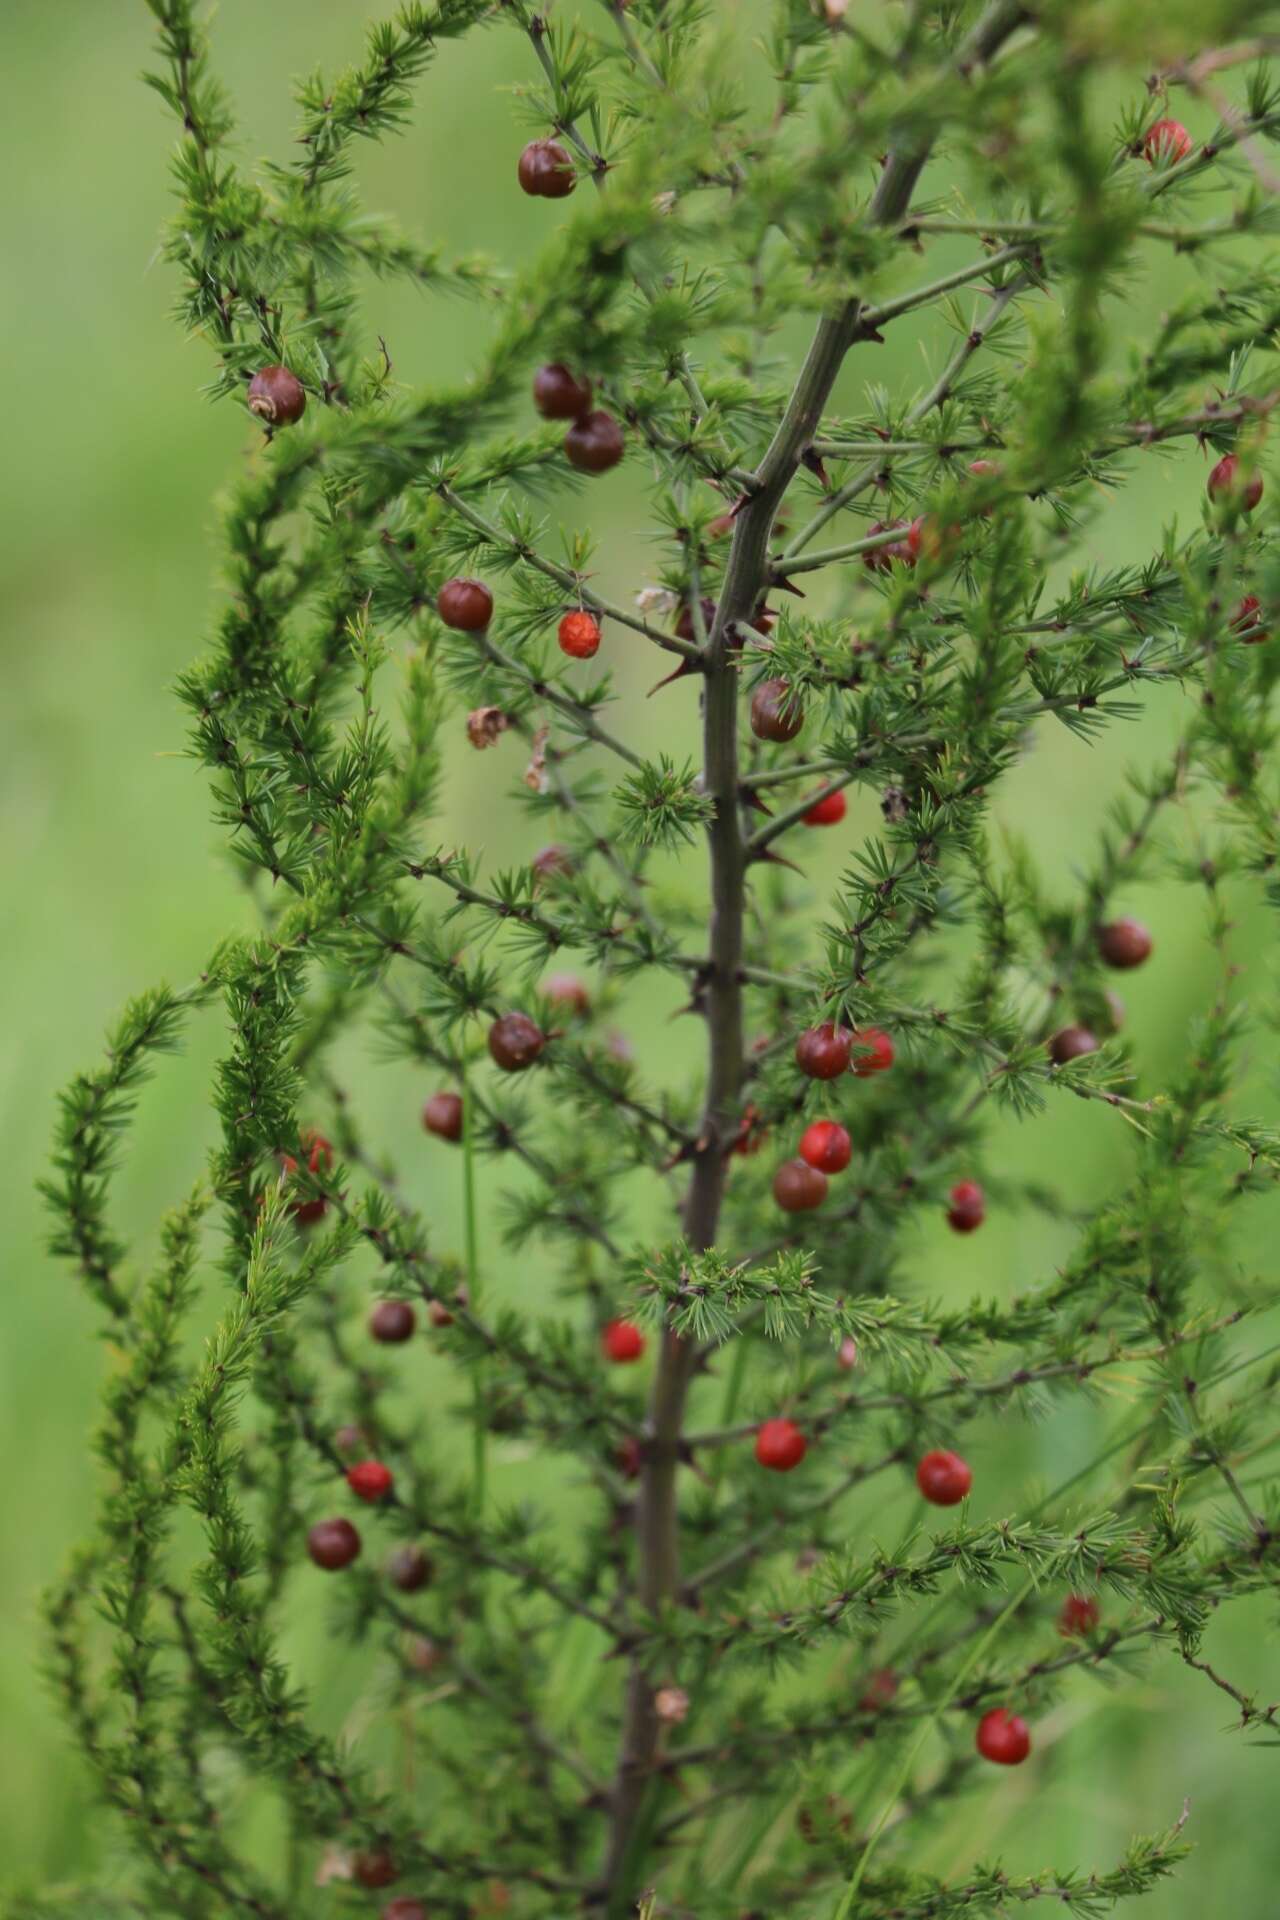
(113, 878)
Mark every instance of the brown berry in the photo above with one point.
(515, 1041)
(1124, 943)
(558, 394)
(546, 171)
(333, 1544)
(465, 605)
(798, 1187)
(392, 1322)
(1071, 1043)
(595, 443)
(276, 397)
(776, 713)
(374, 1869)
(442, 1115)
(409, 1569)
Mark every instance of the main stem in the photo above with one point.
(746, 577)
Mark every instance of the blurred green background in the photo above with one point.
(114, 879)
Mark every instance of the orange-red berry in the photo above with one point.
(370, 1480)
(829, 811)
(579, 636)
(780, 1445)
(622, 1341)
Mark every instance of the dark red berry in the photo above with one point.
(392, 1322)
(827, 1146)
(751, 1133)
(515, 1041)
(622, 1341)
(943, 1478)
(826, 812)
(579, 636)
(1079, 1616)
(558, 394)
(566, 990)
(546, 171)
(552, 863)
(465, 605)
(630, 1457)
(333, 1544)
(1247, 616)
(684, 627)
(1227, 483)
(823, 1052)
(276, 397)
(879, 1691)
(370, 1480)
(409, 1569)
(595, 443)
(1003, 1737)
(776, 712)
(1124, 943)
(319, 1158)
(1166, 142)
(872, 1052)
(968, 1208)
(798, 1187)
(1071, 1043)
(374, 1869)
(442, 1115)
(881, 559)
(404, 1910)
(780, 1445)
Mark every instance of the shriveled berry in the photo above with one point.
(375, 1868)
(1003, 1737)
(370, 1480)
(552, 863)
(968, 1207)
(559, 394)
(776, 712)
(798, 1187)
(276, 397)
(879, 1690)
(410, 1569)
(465, 605)
(826, 812)
(1079, 1616)
(546, 171)
(826, 1145)
(333, 1544)
(622, 1341)
(1072, 1043)
(1124, 943)
(873, 1052)
(515, 1041)
(944, 1478)
(824, 1052)
(595, 443)
(1226, 482)
(438, 1314)
(579, 636)
(780, 1445)
(881, 559)
(392, 1322)
(319, 1159)
(1166, 142)
(442, 1115)
(1247, 616)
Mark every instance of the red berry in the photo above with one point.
(465, 605)
(392, 1322)
(595, 443)
(943, 1478)
(880, 1689)
(847, 1354)
(546, 171)
(552, 863)
(968, 1206)
(780, 1445)
(320, 1157)
(409, 1569)
(827, 812)
(826, 1146)
(374, 1869)
(1003, 1737)
(1079, 1616)
(1124, 943)
(1225, 483)
(881, 559)
(276, 397)
(515, 1041)
(872, 1052)
(776, 713)
(579, 636)
(370, 1480)
(558, 394)
(622, 1341)
(823, 1052)
(684, 626)
(333, 1544)
(566, 990)
(1246, 616)
(1167, 142)
(442, 1115)
(798, 1187)
(1071, 1043)
(630, 1457)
